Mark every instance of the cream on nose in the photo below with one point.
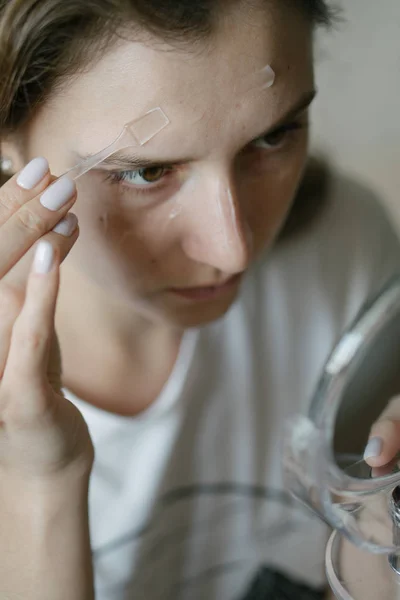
(220, 236)
(235, 233)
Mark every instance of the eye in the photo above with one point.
(144, 180)
(145, 176)
(278, 137)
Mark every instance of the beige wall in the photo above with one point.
(357, 114)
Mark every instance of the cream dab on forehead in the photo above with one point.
(261, 80)
(265, 78)
(143, 129)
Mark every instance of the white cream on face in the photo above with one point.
(261, 80)
(267, 77)
(236, 235)
(175, 212)
(190, 233)
(227, 214)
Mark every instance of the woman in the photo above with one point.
(188, 333)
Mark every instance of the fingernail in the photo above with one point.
(58, 194)
(33, 173)
(373, 448)
(44, 257)
(66, 226)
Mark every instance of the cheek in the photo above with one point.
(269, 196)
(105, 218)
(116, 241)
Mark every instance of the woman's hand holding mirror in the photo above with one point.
(383, 446)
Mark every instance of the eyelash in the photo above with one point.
(118, 177)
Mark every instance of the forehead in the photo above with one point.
(208, 84)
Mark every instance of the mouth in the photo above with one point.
(207, 292)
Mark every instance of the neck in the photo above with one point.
(108, 347)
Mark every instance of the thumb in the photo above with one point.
(54, 369)
(384, 438)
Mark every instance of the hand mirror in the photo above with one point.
(323, 453)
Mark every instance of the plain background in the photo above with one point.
(356, 117)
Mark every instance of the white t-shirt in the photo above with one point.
(187, 500)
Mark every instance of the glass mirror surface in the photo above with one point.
(372, 382)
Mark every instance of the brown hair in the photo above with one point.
(44, 42)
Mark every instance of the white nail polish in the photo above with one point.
(59, 193)
(33, 173)
(373, 448)
(44, 257)
(66, 226)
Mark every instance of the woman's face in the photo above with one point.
(197, 204)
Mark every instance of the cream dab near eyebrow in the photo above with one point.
(140, 131)
(137, 132)
(127, 161)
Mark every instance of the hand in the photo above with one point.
(42, 435)
(384, 440)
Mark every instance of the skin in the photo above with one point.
(209, 218)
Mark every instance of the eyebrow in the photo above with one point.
(129, 161)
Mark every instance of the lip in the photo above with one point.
(206, 293)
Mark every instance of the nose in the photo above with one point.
(217, 233)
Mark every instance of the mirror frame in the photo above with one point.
(311, 471)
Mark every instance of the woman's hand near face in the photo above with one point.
(384, 440)
(42, 434)
(46, 452)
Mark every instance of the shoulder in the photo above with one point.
(354, 214)
(352, 246)
(351, 212)
(328, 198)
(299, 297)
(326, 271)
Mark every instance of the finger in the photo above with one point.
(54, 370)
(388, 469)
(11, 301)
(33, 219)
(23, 186)
(384, 442)
(384, 437)
(62, 237)
(13, 286)
(26, 366)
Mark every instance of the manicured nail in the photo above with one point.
(44, 257)
(33, 173)
(374, 448)
(58, 194)
(66, 226)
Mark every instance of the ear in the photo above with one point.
(9, 151)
